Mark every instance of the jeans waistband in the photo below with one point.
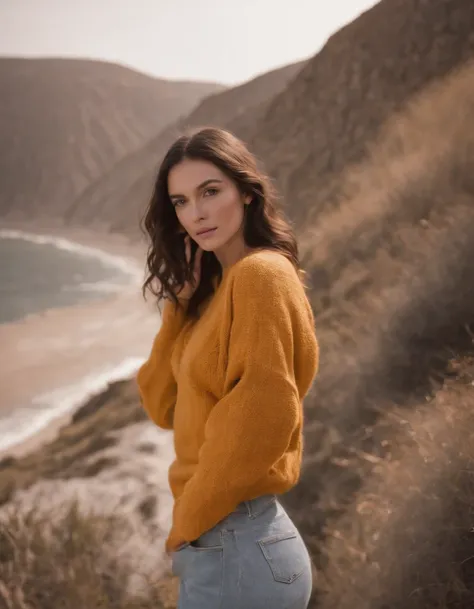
(254, 507)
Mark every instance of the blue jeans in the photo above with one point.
(253, 559)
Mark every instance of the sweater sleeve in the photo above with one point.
(250, 428)
(155, 379)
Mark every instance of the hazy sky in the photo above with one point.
(219, 40)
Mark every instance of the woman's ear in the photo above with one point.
(247, 199)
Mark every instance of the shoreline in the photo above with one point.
(111, 244)
(55, 355)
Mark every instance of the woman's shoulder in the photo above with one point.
(264, 266)
(267, 259)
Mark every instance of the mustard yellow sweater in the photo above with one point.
(231, 386)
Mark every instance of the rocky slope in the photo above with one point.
(314, 129)
(64, 122)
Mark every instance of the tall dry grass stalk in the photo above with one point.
(69, 559)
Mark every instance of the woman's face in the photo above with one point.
(208, 205)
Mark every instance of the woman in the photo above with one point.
(228, 370)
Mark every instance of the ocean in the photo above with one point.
(41, 272)
(71, 322)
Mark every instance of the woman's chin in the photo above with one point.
(209, 245)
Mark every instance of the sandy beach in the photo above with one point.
(54, 359)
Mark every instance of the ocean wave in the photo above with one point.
(105, 287)
(114, 261)
(25, 422)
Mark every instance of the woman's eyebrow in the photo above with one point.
(200, 187)
(207, 182)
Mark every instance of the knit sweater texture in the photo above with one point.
(231, 386)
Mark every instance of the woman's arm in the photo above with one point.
(156, 382)
(273, 357)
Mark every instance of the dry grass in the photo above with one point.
(68, 560)
(406, 541)
(392, 290)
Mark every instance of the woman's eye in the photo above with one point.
(177, 202)
(210, 192)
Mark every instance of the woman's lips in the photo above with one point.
(207, 233)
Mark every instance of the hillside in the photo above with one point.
(121, 194)
(63, 122)
(308, 122)
(389, 421)
(364, 73)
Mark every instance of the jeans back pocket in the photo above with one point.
(285, 554)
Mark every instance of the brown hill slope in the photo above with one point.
(63, 122)
(406, 540)
(122, 193)
(366, 71)
(391, 270)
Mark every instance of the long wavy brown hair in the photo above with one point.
(265, 225)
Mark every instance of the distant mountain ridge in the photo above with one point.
(63, 122)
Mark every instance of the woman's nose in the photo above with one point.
(197, 213)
